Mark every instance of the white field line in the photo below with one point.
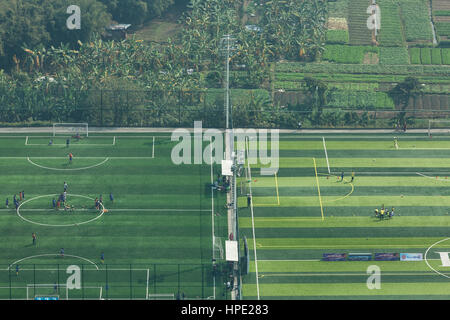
(326, 154)
(434, 178)
(394, 172)
(122, 137)
(148, 279)
(153, 148)
(48, 255)
(212, 217)
(85, 269)
(26, 141)
(67, 169)
(111, 210)
(321, 274)
(253, 224)
(316, 260)
(114, 141)
(55, 158)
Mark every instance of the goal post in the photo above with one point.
(62, 292)
(71, 129)
(438, 126)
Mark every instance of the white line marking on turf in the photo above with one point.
(212, 216)
(319, 274)
(117, 209)
(253, 223)
(426, 260)
(153, 148)
(60, 225)
(434, 178)
(51, 254)
(116, 158)
(68, 169)
(26, 141)
(326, 154)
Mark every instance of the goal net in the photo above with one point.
(438, 127)
(161, 296)
(218, 251)
(62, 292)
(71, 129)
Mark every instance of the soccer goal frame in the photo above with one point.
(161, 296)
(71, 128)
(430, 128)
(62, 292)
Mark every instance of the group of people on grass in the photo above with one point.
(16, 200)
(384, 213)
(221, 184)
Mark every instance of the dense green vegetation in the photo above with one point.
(276, 46)
(415, 16)
(347, 54)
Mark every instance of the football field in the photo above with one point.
(154, 228)
(307, 214)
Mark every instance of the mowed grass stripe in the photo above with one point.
(343, 289)
(307, 212)
(356, 191)
(333, 243)
(299, 266)
(375, 201)
(387, 144)
(351, 232)
(360, 181)
(346, 222)
(294, 278)
(410, 162)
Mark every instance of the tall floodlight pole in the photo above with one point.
(227, 45)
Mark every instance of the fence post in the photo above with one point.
(178, 280)
(154, 276)
(131, 284)
(10, 284)
(203, 281)
(106, 280)
(101, 107)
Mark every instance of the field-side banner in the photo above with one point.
(387, 256)
(359, 257)
(334, 257)
(411, 256)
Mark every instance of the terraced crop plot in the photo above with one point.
(306, 211)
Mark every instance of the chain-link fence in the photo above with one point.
(249, 108)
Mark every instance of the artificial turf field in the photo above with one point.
(304, 212)
(156, 235)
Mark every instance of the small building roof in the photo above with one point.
(118, 27)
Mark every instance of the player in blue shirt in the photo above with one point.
(7, 203)
(62, 252)
(102, 258)
(111, 197)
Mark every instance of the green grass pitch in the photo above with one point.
(288, 232)
(156, 235)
